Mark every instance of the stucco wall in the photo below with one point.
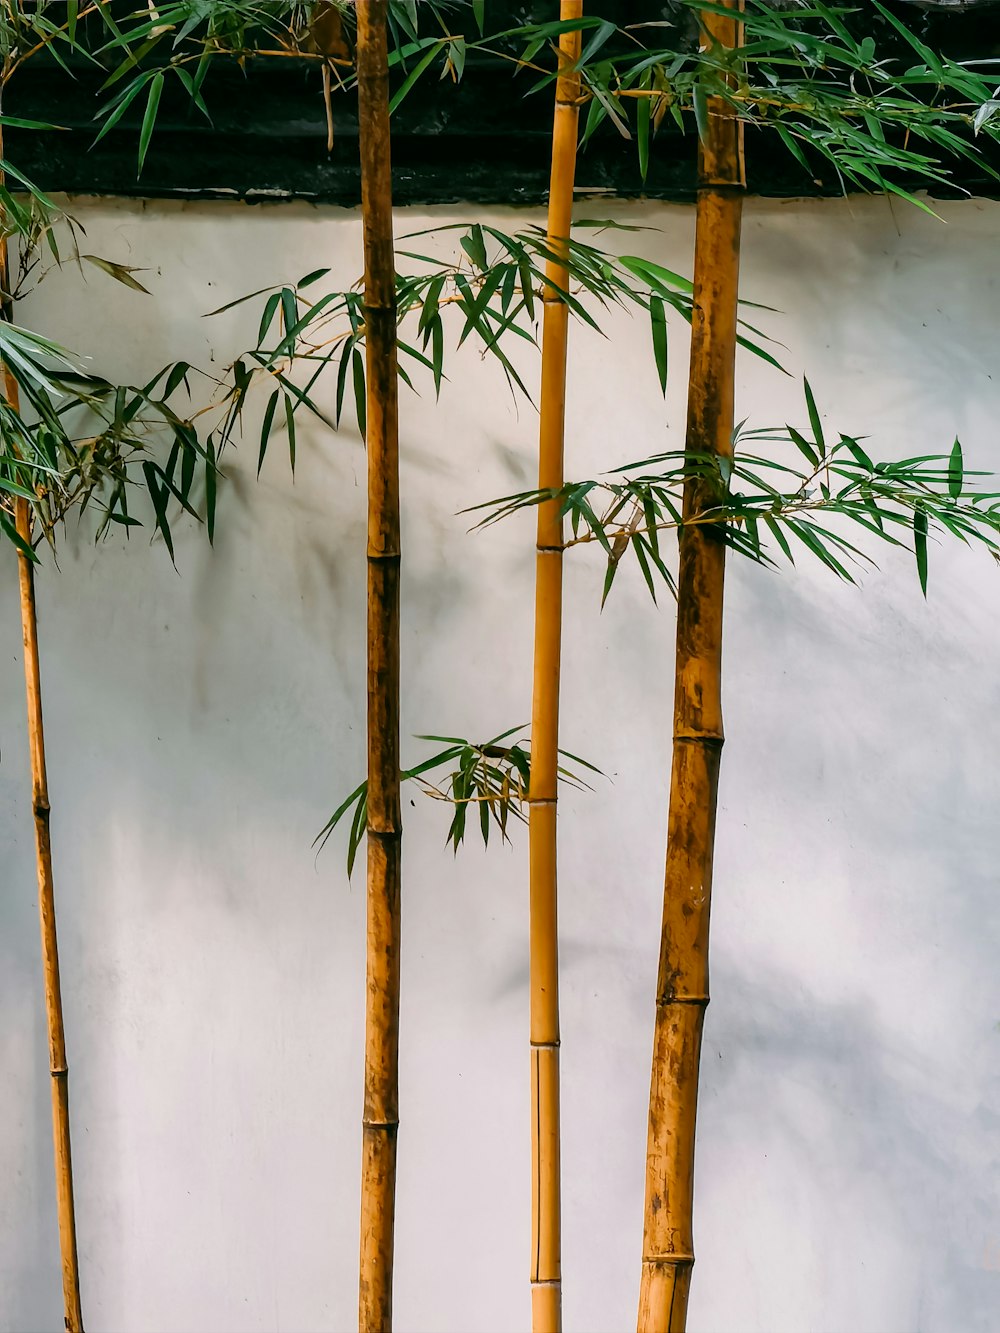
(203, 722)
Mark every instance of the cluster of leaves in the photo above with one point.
(803, 72)
(493, 288)
(38, 230)
(146, 49)
(494, 775)
(69, 439)
(87, 443)
(761, 505)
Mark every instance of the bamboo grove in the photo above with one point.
(807, 77)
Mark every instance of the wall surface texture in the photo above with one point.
(203, 722)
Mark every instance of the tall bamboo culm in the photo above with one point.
(682, 982)
(58, 1070)
(381, 1107)
(546, 1275)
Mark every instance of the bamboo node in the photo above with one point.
(713, 738)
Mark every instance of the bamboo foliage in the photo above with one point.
(381, 1108)
(682, 981)
(546, 1271)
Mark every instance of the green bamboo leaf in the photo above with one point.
(858, 453)
(814, 418)
(11, 532)
(360, 404)
(312, 277)
(358, 830)
(158, 495)
(920, 546)
(658, 319)
(149, 119)
(475, 247)
(415, 73)
(803, 445)
(956, 470)
(290, 427)
(265, 430)
(267, 318)
(211, 480)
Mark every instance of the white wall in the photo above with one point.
(203, 722)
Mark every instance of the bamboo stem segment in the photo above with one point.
(58, 1069)
(546, 1276)
(682, 982)
(384, 828)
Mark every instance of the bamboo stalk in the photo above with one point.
(546, 1275)
(682, 982)
(58, 1069)
(381, 1105)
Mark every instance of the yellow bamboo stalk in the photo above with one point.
(546, 1275)
(58, 1069)
(682, 982)
(384, 828)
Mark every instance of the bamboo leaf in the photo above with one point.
(415, 74)
(360, 405)
(11, 532)
(211, 478)
(149, 119)
(658, 319)
(814, 418)
(920, 546)
(120, 272)
(956, 470)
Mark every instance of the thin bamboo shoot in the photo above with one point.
(58, 1068)
(546, 1275)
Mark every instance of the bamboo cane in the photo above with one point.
(546, 1276)
(682, 982)
(381, 1106)
(58, 1070)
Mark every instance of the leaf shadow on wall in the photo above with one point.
(858, 1127)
